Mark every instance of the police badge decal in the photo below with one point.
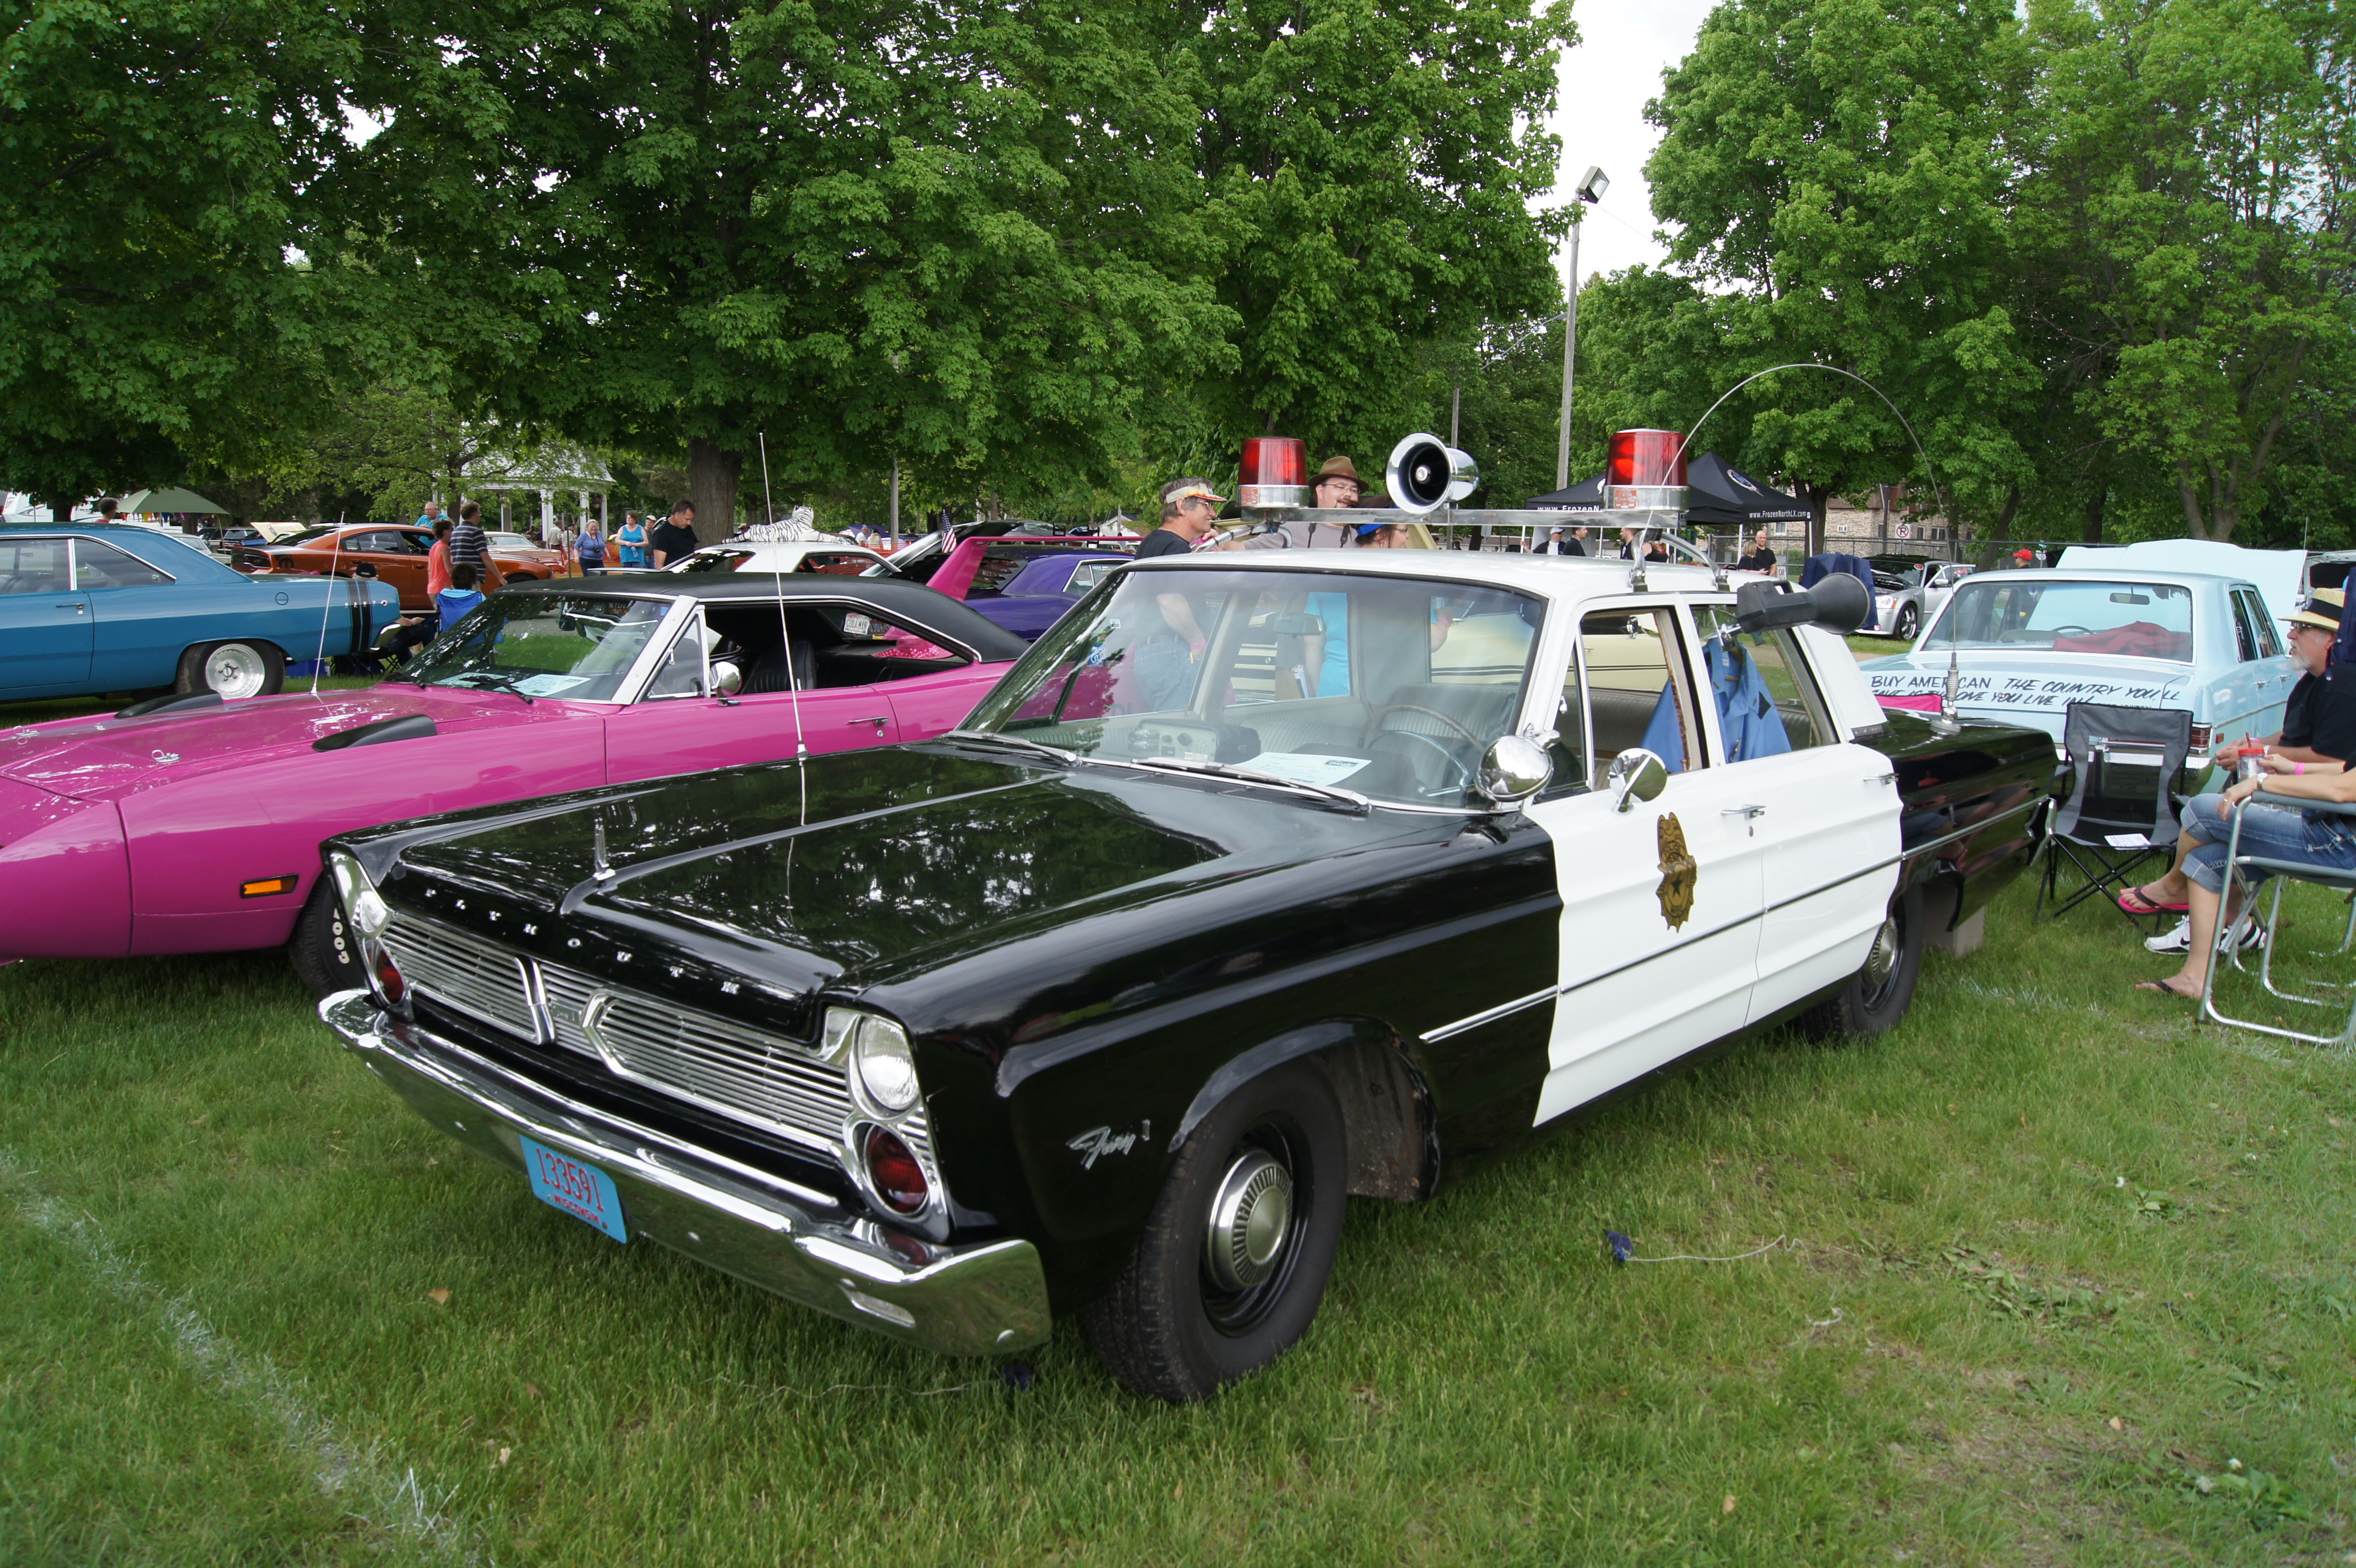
(1677, 889)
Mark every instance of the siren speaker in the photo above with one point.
(1425, 474)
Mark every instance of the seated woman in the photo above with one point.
(2274, 829)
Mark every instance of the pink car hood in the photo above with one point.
(98, 759)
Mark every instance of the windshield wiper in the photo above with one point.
(1349, 798)
(501, 683)
(994, 738)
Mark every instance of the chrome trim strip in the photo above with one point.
(1664, 952)
(1504, 1010)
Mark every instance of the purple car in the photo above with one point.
(1037, 596)
(191, 824)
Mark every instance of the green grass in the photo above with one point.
(41, 712)
(2054, 1258)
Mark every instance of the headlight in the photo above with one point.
(363, 906)
(882, 1064)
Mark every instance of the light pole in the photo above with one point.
(1591, 188)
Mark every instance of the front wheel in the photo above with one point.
(1232, 1263)
(323, 952)
(232, 669)
(1908, 620)
(1873, 998)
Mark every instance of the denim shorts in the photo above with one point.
(2273, 832)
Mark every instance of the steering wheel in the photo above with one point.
(1464, 773)
(2071, 631)
(1377, 726)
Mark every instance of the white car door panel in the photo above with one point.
(1830, 864)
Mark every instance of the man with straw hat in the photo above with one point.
(2319, 733)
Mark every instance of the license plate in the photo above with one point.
(581, 1190)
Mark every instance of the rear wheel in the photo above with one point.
(322, 951)
(232, 669)
(1232, 1263)
(1876, 996)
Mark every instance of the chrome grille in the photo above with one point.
(466, 974)
(723, 1065)
(729, 1067)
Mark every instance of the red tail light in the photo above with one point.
(891, 1166)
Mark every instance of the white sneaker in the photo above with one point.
(2176, 942)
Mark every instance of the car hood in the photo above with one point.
(858, 869)
(96, 757)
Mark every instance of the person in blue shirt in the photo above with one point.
(459, 597)
(630, 539)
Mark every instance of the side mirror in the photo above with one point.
(727, 679)
(1637, 775)
(364, 569)
(1839, 604)
(1515, 769)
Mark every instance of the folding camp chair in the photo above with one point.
(2122, 811)
(2238, 866)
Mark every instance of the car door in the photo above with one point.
(1823, 810)
(44, 624)
(2250, 676)
(1661, 902)
(681, 725)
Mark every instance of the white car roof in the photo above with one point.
(1555, 576)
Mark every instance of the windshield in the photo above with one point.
(1392, 687)
(579, 647)
(2143, 620)
(308, 534)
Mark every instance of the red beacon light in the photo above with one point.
(1646, 471)
(1275, 472)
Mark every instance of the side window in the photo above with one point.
(35, 566)
(2246, 635)
(681, 674)
(1086, 576)
(2269, 639)
(1766, 696)
(1636, 690)
(98, 565)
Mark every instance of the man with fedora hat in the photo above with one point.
(1336, 488)
(2319, 732)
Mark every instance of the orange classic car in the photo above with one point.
(395, 551)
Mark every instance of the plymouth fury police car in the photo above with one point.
(1255, 884)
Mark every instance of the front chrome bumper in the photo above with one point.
(794, 1240)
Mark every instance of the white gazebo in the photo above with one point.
(550, 469)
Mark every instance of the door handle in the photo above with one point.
(1749, 815)
(1888, 778)
(879, 721)
(76, 608)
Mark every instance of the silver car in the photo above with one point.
(1902, 610)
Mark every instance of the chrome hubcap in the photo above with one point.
(234, 670)
(1251, 1218)
(1883, 959)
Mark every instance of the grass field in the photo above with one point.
(2063, 1279)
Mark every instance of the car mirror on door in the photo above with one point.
(727, 679)
(1637, 775)
(1515, 769)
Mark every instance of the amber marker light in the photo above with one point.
(265, 886)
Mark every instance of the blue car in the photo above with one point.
(101, 608)
(1037, 596)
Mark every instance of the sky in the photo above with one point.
(1607, 78)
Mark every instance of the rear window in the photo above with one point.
(2136, 620)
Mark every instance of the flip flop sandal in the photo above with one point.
(2136, 901)
(2163, 986)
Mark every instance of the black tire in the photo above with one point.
(321, 952)
(1872, 1000)
(203, 669)
(1908, 620)
(1168, 1326)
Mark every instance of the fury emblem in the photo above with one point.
(1097, 1142)
(1677, 871)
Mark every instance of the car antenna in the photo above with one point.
(784, 633)
(335, 554)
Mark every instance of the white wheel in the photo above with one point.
(232, 669)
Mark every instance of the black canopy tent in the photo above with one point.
(1717, 496)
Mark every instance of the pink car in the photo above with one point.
(189, 825)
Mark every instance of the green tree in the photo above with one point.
(2187, 199)
(960, 235)
(158, 159)
(1831, 167)
(1369, 168)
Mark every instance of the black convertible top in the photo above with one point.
(903, 602)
